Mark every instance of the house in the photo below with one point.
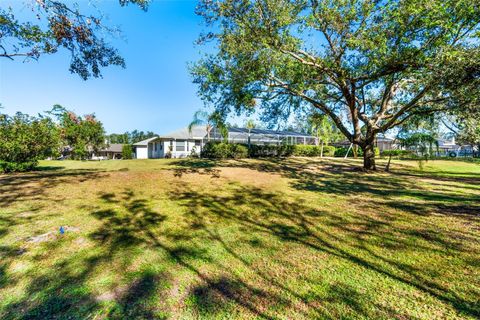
(112, 151)
(177, 144)
(183, 142)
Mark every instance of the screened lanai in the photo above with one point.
(263, 136)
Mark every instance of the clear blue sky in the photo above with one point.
(154, 92)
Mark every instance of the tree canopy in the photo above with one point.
(24, 140)
(369, 65)
(61, 24)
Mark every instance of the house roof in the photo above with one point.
(197, 132)
(145, 142)
(113, 147)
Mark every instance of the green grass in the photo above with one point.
(271, 239)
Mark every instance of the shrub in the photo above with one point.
(306, 151)
(127, 151)
(342, 151)
(238, 151)
(328, 151)
(271, 150)
(6, 167)
(223, 150)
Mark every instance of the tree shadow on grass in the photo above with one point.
(294, 222)
(20, 187)
(62, 291)
(397, 189)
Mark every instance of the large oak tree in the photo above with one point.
(369, 65)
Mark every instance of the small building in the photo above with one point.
(112, 151)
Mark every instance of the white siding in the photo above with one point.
(141, 152)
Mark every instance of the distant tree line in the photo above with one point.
(130, 137)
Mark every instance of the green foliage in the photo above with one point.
(24, 140)
(329, 151)
(342, 151)
(307, 151)
(423, 143)
(380, 63)
(8, 167)
(130, 137)
(82, 135)
(239, 151)
(60, 24)
(397, 153)
(127, 151)
(223, 150)
(272, 150)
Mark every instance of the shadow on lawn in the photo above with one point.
(129, 222)
(345, 178)
(62, 292)
(294, 222)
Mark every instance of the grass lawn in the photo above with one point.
(272, 239)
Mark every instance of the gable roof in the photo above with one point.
(113, 147)
(197, 132)
(144, 142)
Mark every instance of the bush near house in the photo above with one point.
(342, 151)
(256, 151)
(313, 151)
(223, 150)
(127, 151)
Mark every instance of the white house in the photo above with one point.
(181, 143)
(178, 144)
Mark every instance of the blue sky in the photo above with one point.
(155, 92)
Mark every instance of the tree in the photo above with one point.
(369, 65)
(25, 139)
(127, 151)
(61, 24)
(249, 125)
(210, 121)
(130, 137)
(323, 129)
(81, 135)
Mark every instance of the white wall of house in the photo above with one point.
(141, 152)
(179, 148)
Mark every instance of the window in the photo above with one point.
(197, 143)
(180, 145)
(155, 146)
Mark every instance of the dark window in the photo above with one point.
(198, 143)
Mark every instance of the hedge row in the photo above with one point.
(313, 151)
(6, 167)
(342, 151)
(222, 150)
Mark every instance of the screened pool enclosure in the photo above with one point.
(262, 136)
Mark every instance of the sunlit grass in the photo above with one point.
(277, 239)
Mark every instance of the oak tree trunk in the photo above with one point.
(369, 156)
